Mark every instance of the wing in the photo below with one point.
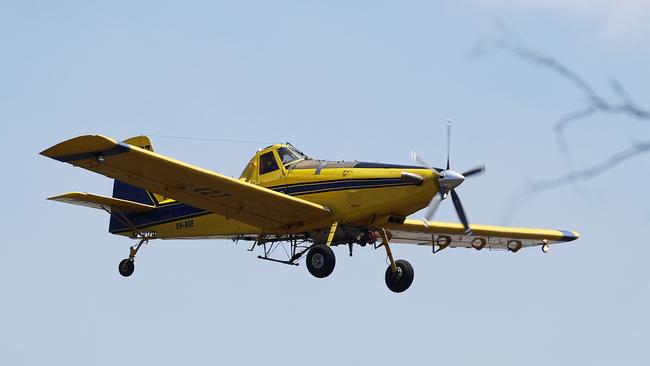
(186, 183)
(102, 202)
(491, 237)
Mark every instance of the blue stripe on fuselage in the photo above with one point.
(305, 188)
(162, 214)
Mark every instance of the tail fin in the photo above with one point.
(128, 192)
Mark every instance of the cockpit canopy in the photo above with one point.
(272, 162)
(269, 157)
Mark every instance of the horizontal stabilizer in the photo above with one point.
(102, 202)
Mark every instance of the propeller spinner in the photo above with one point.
(448, 181)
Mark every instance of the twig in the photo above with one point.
(532, 189)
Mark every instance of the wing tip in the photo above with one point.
(67, 149)
(569, 235)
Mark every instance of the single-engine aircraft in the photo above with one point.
(284, 198)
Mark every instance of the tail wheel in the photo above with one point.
(400, 280)
(126, 267)
(321, 261)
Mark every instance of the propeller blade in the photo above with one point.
(477, 170)
(420, 161)
(433, 206)
(460, 211)
(448, 141)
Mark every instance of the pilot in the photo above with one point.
(269, 164)
(286, 156)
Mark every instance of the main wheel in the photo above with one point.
(126, 267)
(402, 279)
(321, 261)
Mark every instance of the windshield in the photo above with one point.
(288, 155)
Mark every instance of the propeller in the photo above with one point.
(448, 181)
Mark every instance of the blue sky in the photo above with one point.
(340, 80)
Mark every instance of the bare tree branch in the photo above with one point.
(560, 136)
(596, 104)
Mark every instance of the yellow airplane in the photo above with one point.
(284, 198)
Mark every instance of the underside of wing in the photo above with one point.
(483, 236)
(186, 183)
(102, 202)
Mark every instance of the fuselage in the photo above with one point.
(358, 194)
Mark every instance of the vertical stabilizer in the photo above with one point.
(128, 192)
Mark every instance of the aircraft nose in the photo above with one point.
(450, 179)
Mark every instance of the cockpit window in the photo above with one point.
(268, 163)
(289, 155)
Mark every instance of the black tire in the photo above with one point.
(321, 261)
(126, 267)
(402, 280)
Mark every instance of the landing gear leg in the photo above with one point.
(127, 266)
(399, 274)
